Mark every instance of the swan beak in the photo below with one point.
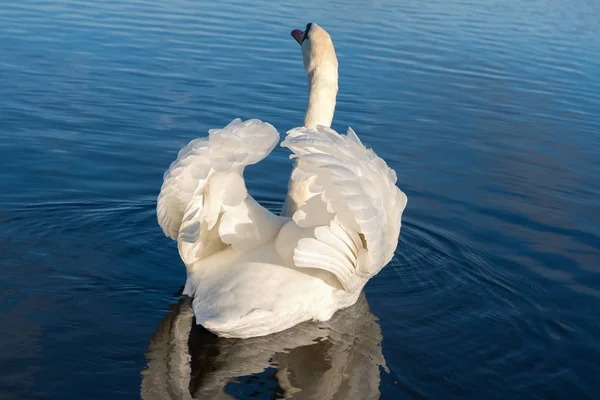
(298, 35)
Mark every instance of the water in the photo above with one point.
(488, 110)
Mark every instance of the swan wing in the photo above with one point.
(203, 202)
(351, 221)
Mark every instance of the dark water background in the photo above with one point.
(488, 110)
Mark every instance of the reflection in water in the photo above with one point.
(337, 359)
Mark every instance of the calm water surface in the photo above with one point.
(488, 110)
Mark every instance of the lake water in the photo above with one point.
(489, 111)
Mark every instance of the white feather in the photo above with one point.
(204, 186)
(357, 189)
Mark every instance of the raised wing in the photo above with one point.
(354, 211)
(203, 202)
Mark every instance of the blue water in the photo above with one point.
(489, 111)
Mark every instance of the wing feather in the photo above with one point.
(356, 191)
(203, 202)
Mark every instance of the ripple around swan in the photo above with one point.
(504, 324)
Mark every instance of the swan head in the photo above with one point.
(317, 50)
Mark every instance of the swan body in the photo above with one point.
(251, 272)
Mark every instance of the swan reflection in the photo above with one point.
(337, 359)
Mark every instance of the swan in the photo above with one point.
(251, 272)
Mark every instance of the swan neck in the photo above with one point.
(322, 92)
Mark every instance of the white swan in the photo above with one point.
(253, 273)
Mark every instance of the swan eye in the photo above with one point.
(308, 26)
